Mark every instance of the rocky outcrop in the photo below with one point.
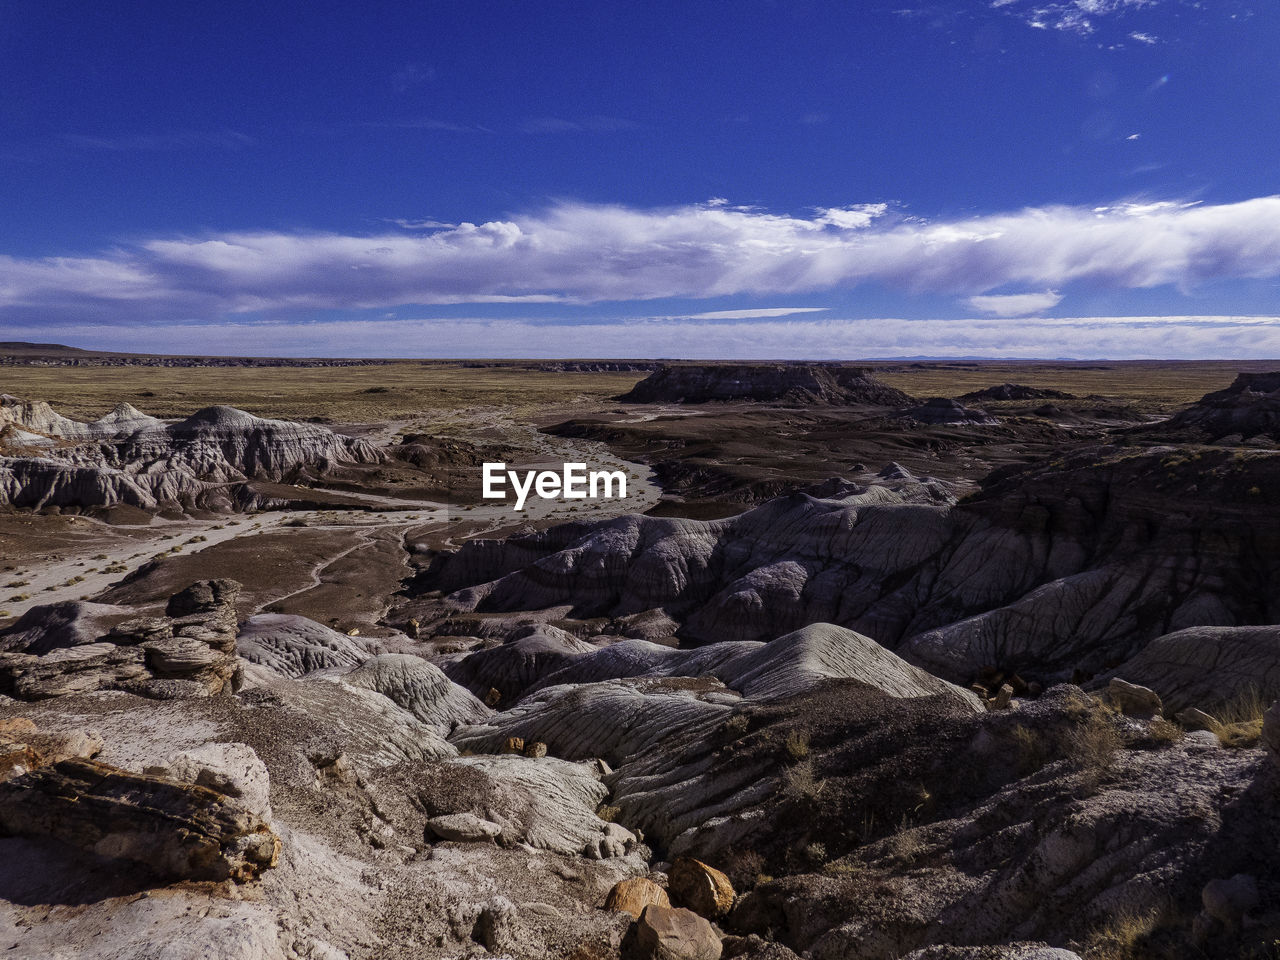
(52, 652)
(1016, 391)
(764, 382)
(546, 803)
(940, 411)
(1048, 570)
(1248, 409)
(131, 459)
(174, 830)
(1208, 667)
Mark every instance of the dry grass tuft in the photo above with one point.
(1239, 724)
(1127, 935)
(797, 745)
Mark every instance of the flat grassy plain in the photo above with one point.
(401, 389)
(337, 394)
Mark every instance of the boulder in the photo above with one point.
(671, 933)
(232, 769)
(701, 888)
(1229, 900)
(1193, 719)
(463, 828)
(1133, 700)
(633, 895)
(175, 830)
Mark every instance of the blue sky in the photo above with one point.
(811, 179)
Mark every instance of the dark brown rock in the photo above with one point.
(176, 830)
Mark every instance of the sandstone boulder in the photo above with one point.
(700, 887)
(1132, 699)
(671, 933)
(633, 895)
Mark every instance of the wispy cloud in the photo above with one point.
(407, 224)
(173, 140)
(573, 252)
(596, 124)
(1015, 304)
(1191, 337)
(754, 314)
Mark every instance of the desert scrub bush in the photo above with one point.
(295, 522)
(608, 813)
(797, 745)
(815, 853)
(735, 726)
(17, 583)
(800, 783)
(1092, 745)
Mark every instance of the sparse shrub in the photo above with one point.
(797, 744)
(736, 726)
(295, 522)
(17, 583)
(608, 813)
(1030, 749)
(816, 853)
(905, 847)
(198, 539)
(5, 613)
(801, 784)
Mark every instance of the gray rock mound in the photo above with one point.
(294, 646)
(419, 687)
(763, 382)
(941, 411)
(127, 458)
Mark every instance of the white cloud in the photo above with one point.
(853, 218)
(583, 253)
(1015, 304)
(1073, 16)
(756, 314)
(1191, 337)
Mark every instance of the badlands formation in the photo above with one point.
(848, 675)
